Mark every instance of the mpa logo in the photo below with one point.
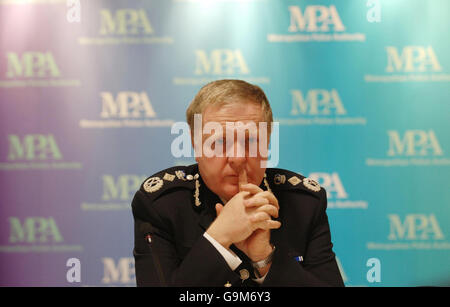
(35, 151)
(36, 234)
(412, 231)
(219, 63)
(121, 272)
(315, 18)
(125, 22)
(336, 192)
(412, 59)
(124, 26)
(117, 193)
(316, 23)
(35, 69)
(33, 147)
(125, 109)
(410, 64)
(317, 102)
(412, 148)
(413, 143)
(31, 65)
(34, 230)
(121, 188)
(414, 227)
(319, 107)
(126, 105)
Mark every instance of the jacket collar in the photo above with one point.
(209, 201)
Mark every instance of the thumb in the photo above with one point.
(219, 208)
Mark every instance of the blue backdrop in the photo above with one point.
(89, 91)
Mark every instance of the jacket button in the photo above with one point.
(244, 274)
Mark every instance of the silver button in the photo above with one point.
(189, 177)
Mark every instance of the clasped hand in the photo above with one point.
(246, 221)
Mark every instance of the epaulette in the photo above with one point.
(168, 179)
(282, 179)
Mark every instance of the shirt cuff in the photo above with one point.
(231, 258)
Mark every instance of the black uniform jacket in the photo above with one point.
(170, 249)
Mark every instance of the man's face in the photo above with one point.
(221, 173)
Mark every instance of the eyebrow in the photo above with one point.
(217, 135)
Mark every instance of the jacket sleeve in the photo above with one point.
(319, 268)
(158, 264)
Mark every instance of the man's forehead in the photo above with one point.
(236, 112)
(232, 128)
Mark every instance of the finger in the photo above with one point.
(255, 202)
(268, 224)
(259, 217)
(252, 188)
(242, 194)
(269, 209)
(269, 196)
(219, 208)
(242, 178)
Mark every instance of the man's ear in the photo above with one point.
(267, 140)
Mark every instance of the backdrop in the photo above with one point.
(89, 91)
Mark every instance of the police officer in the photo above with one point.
(228, 220)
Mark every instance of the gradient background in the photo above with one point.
(85, 194)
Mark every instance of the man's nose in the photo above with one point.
(237, 156)
(237, 163)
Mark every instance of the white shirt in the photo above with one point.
(230, 257)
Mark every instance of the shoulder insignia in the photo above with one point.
(152, 184)
(286, 180)
(294, 180)
(311, 184)
(180, 175)
(279, 179)
(197, 193)
(168, 179)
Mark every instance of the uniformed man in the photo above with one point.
(228, 220)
